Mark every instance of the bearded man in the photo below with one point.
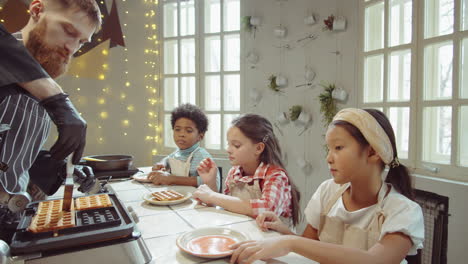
(30, 60)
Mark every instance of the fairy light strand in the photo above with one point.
(152, 74)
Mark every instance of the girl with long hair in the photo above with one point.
(258, 181)
(363, 214)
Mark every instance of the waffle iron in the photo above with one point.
(101, 232)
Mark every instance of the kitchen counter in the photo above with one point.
(161, 225)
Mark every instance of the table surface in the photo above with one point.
(161, 225)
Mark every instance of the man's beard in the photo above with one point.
(48, 56)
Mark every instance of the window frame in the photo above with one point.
(416, 103)
(200, 74)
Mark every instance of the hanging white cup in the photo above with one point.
(309, 75)
(309, 20)
(301, 162)
(282, 118)
(255, 95)
(339, 94)
(255, 21)
(281, 80)
(303, 119)
(252, 57)
(339, 23)
(280, 32)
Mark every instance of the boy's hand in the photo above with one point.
(159, 177)
(159, 166)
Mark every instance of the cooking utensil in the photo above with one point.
(68, 192)
(92, 159)
(92, 226)
(109, 162)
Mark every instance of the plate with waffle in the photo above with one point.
(167, 197)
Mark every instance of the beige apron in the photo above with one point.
(333, 230)
(246, 192)
(181, 168)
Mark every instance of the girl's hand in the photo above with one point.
(270, 221)
(207, 169)
(159, 177)
(203, 194)
(250, 251)
(158, 166)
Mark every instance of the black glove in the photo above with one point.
(84, 176)
(71, 127)
(48, 174)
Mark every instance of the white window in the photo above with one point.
(414, 58)
(201, 53)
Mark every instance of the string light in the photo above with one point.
(104, 115)
(152, 75)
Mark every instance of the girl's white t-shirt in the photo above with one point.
(401, 214)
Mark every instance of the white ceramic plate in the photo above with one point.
(149, 198)
(141, 177)
(209, 242)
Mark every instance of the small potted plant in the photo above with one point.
(295, 112)
(328, 23)
(275, 84)
(328, 107)
(333, 23)
(250, 23)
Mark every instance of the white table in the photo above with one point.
(161, 225)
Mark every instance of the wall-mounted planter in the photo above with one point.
(333, 23)
(303, 119)
(281, 81)
(280, 32)
(252, 57)
(255, 21)
(255, 95)
(339, 24)
(309, 74)
(309, 20)
(282, 118)
(339, 94)
(250, 24)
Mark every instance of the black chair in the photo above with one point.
(435, 210)
(220, 169)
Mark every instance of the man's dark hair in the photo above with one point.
(90, 7)
(193, 113)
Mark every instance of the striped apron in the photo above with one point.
(30, 126)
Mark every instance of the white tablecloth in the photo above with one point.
(161, 225)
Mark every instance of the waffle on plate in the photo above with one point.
(92, 202)
(51, 217)
(169, 195)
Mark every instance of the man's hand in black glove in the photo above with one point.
(71, 127)
(48, 174)
(84, 176)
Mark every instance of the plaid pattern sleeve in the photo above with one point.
(276, 194)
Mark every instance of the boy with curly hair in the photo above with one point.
(189, 125)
